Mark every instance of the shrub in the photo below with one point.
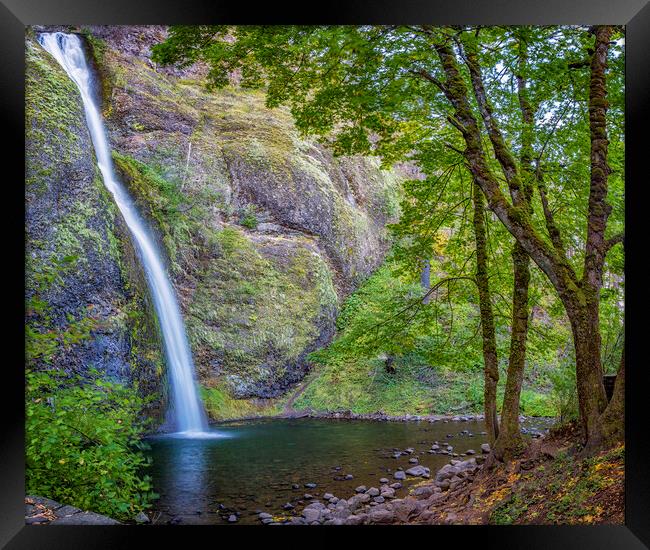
(563, 392)
(83, 443)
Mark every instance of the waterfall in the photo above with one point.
(190, 418)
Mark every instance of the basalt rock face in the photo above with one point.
(84, 286)
(265, 231)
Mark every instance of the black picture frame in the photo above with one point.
(16, 14)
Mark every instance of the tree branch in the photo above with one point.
(619, 238)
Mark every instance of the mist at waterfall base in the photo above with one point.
(189, 417)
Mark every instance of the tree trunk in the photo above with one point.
(613, 419)
(490, 360)
(425, 279)
(388, 364)
(592, 400)
(510, 441)
(580, 297)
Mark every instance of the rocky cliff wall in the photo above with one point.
(265, 231)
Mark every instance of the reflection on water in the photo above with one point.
(252, 466)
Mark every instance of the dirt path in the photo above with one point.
(289, 411)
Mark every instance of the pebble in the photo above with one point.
(232, 518)
(310, 485)
(383, 480)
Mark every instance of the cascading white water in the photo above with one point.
(190, 418)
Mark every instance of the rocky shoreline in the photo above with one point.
(383, 417)
(379, 505)
(45, 511)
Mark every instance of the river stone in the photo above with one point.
(66, 510)
(361, 489)
(328, 496)
(423, 492)
(142, 518)
(355, 519)
(373, 491)
(399, 475)
(381, 516)
(470, 452)
(311, 515)
(416, 471)
(85, 518)
(310, 485)
(485, 448)
(384, 480)
(232, 518)
(444, 484)
(396, 485)
(413, 460)
(349, 476)
(388, 492)
(33, 520)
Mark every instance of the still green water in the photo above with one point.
(253, 466)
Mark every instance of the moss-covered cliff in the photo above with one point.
(86, 300)
(265, 232)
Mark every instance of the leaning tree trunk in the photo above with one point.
(510, 441)
(580, 297)
(490, 360)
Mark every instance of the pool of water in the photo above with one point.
(252, 468)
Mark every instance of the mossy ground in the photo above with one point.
(220, 405)
(566, 491)
(363, 386)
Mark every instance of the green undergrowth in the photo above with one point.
(436, 356)
(83, 443)
(363, 387)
